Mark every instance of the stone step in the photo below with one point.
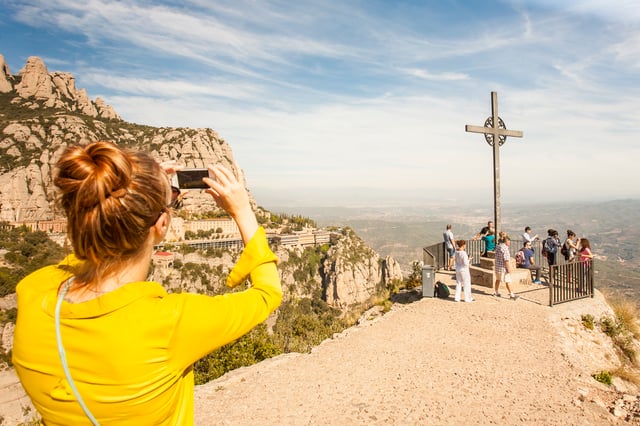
(486, 277)
(489, 263)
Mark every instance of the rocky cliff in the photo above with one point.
(35, 86)
(353, 273)
(42, 112)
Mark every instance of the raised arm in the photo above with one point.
(230, 194)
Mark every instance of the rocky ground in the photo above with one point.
(429, 361)
(433, 361)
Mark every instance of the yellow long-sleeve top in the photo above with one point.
(131, 351)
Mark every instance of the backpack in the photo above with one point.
(520, 260)
(549, 247)
(441, 290)
(564, 251)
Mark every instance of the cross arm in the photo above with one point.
(493, 131)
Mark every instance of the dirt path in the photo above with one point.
(494, 361)
(429, 362)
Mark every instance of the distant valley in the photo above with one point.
(613, 228)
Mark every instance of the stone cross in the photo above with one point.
(495, 133)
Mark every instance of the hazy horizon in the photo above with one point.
(412, 207)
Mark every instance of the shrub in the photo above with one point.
(305, 323)
(627, 314)
(588, 321)
(603, 377)
(609, 326)
(415, 277)
(253, 347)
(629, 374)
(27, 251)
(622, 337)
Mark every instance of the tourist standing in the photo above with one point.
(450, 246)
(526, 236)
(489, 242)
(485, 230)
(585, 252)
(502, 266)
(570, 246)
(463, 276)
(550, 249)
(586, 258)
(94, 341)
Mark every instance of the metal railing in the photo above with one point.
(567, 280)
(437, 256)
(570, 281)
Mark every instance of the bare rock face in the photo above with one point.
(26, 189)
(35, 82)
(354, 275)
(5, 77)
(106, 111)
(6, 342)
(391, 270)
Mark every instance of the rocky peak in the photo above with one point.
(51, 89)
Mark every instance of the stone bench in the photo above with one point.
(483, 275)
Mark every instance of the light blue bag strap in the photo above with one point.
(63, 356)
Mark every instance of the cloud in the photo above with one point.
(173, 88)
(445, 76)
(371, 97)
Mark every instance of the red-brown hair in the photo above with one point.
(111, 197)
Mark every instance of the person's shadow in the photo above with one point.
(407, 296)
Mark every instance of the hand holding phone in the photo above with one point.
(192, 178)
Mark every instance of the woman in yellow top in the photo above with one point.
(124, 349)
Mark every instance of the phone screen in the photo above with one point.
(192, 178)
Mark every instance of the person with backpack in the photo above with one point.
(570, 246)
(525, 260)
(502, 266)
(550, 249)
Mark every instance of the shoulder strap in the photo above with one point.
(63, 355)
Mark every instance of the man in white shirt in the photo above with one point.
(527, 236)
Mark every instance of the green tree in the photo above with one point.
(253, 347)
(27, 251)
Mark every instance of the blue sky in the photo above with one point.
(365, 102)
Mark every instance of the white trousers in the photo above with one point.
(463, 278)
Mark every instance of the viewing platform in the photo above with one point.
(484, 275)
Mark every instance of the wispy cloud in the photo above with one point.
(445, 76)
(172, 88)
(361, 94)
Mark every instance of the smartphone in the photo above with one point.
(192, 178)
